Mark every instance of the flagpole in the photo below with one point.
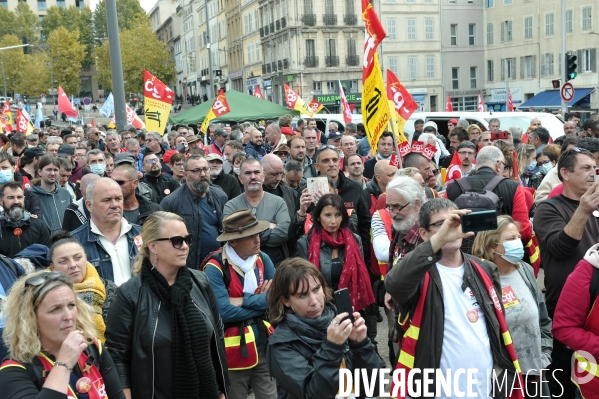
(116, 65)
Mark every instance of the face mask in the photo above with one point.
(532, 165)
(237, 171)
(544, 169)
(98, 168)
(514, 251)
(6, 176)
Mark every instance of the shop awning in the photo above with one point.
(552, 99)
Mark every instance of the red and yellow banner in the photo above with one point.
(401, 104)
(7, 117)
(375, 107)
(315, 106)
(132, 119)
(158, 99)
(295, 102)
(220, 107)
(23, 124)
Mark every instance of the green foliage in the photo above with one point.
(66, 54)
(128, 12)
(36, 76)
(26, 22)
(7, 21)
(13, 61)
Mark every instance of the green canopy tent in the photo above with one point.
(243, 108)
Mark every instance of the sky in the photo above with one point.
(146, 4)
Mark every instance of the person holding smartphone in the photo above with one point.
(312, 342)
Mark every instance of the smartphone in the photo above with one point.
(315, 184)
(499, 135)
(596, 175)
(479, 221)
(343, 302)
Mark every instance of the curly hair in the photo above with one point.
(285, 120)
(20, 332)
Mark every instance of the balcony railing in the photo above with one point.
(350, 19)
(352, 60)
(311, 62)
(332, 60)
(329, 19)
(309, 19)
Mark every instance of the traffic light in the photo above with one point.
(556, 83)
(26, 48)
(571, 67)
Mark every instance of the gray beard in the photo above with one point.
(405, 224)
(201, 186)
(16, 213)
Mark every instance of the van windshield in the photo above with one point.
(550, 122)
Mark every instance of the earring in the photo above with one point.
(155, 262)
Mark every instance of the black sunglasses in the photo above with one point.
(177, 241)
(121, 182)
(40, 279)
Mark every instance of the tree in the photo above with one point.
(66, 55)
(7, 21)
(35, 77)
(26, 22)
(13, 61)
(128, 11)
(139, 49)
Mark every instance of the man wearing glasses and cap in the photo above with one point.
(240, 275)
(220, 139)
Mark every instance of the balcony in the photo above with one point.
(311, 62)
(350, 19)
(332, 60)
(329, 19)
(309, 19)
(283, 23)
(352, 60)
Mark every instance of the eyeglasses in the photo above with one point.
(177, 241)
(151, 161)
(567, 153)
(121, 182)
(545, 162)
(179, 164)
(325, 146)
(40, 279)
(435, 172)
(396, 207)
(436, 225)
(197, 171)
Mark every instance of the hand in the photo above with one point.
(388, 301)
(316, 196)
(33, 216)
(358, 331)
(338, 331)
(72, 347)
(236, 301)
(140, 175)
(450, 230)
(272, 226)
(264, 287)
(222, 396)
(589, 200)
(305, 202)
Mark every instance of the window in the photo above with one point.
(528, 28)
(506, 31)
(351, 46)
(428, 1)
(308, 7)
(41, 5)
(353, 85)
(349, 7)
(511, 68)
(455, 78)
(471, 34)
(507, 1)
(489, 3)
(473, 77)
(569, 21)
(430, 67)
(328, 7)
(393, 64)
(549, 19)
(490, 71)
(586, 18)
(331, 48)
(310, 52)
(528, 67)
(412, 68)
(332, 86)
(453, 32)
(490, 33)
(411, 29)
(317, 86)
(409, 1)
(586, 60)
(428, 28)
(391, 29)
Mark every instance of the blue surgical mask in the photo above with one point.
(98, 168)
(532, 165)
(545, 168)
(514, 251)
(6, 176)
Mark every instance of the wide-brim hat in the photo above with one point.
(240, 224)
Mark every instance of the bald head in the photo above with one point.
(86, 180)
(273, 171)
(271, 160)
(383, 173)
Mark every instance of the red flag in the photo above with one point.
(510, 103)
(93, 122)
(374, 35)
(453, 171)
(258, 92)
(481, 106)
(64, 105)
(7, 117)
(23, 124)
(315, 106)
(448, 106)
(344, 104)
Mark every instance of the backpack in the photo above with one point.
(479, 200)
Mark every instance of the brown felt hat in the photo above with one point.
(240, 224)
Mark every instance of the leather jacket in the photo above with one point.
(131, 326)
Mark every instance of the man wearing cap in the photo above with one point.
(32, 140)
(334, 139)
(29, 162)
(200, 204)
(136, 208)
(282, 151)
(451, 124)
(161, 184)
(228, 183)
(255, 148)
(240, 276)
(220, 139)
(384, 150)
(143, 188)
(195, 145)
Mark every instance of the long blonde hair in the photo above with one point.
(486, 241)
(151, 230)
(20, 333)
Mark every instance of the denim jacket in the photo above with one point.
(97, 255)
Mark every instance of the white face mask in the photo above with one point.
(237, 171)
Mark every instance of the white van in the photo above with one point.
(507, 119)
(323, 121)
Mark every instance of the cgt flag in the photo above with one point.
(375, 107)
(345, 105)
(23, 123)
(481, 106)
(64, 105)
(7, 117)
(294, 101)
(448, 105)
(157, 102)
(220, 107)
(132, 119)
(315, 106)
(402, 105)
(258, 92)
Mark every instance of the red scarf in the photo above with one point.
(354, 275)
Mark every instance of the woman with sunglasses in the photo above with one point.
(164, 329)
(68, 257)
(50, 336)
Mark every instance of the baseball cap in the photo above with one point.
(466, 144)
(454, 121)
(65, 149)
(214, 157)
(124, 157)
(168, 155)
(335, 135)
(34, 152)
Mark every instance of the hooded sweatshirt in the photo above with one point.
(54, 204)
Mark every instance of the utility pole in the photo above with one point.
(211, 91)
(4, 76)
(116, 65)
(564, 58)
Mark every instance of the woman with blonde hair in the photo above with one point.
(50, 336)
(527, 166)
(164, 329)
(525, 310)
(474, 132)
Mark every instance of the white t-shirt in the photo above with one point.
(465, 339)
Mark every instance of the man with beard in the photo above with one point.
(135, 207)
(395, 232)
(228, 183)
(161, 184)
(201, 207)
(274, 137)
(264, 206)
(297, 152)
(18, 229)
(255, 147)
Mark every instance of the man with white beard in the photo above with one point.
(395, 232)
(228, 183)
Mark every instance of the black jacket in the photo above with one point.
(369, 168)
(75, 215)
(34, 231)
(228, 183)
(372, 188)
(146, 208)
(32, 204)
(161, 186)
(130, 330)
(296, 226)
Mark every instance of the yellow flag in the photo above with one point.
(220, 107)
(157, 103)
